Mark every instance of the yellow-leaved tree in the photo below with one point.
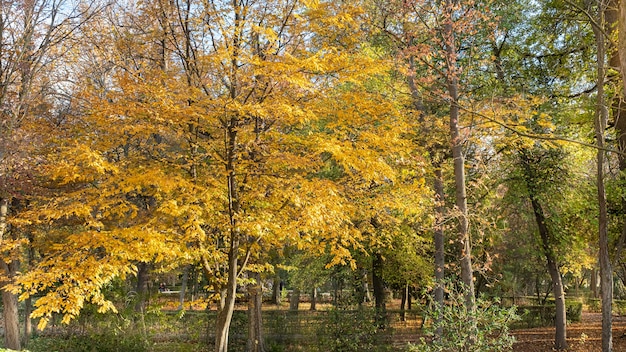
(34, 36)
(206, 134)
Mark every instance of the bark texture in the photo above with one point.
(227, 306)
(10, 312)
(183, 289)
(276, 288)
(11, 321)
(313, 299)
(143, 273)
(379, 289)
(255, 321)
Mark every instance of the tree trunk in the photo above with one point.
(615, 20)
(11, 321)
(28, 326)
(227, 305)
(594, 283)
(9, 300)
(620, 53)
(294, 300)
(560, 322)
(10, 312)
(403, 300)
(183, 289)
(314, 299)
(143, 273)
(409, 298)
(606, 272)
(366, 288)
(467, 273)
(276, 290)
(255, 321)
(560, 341)
(379, 289)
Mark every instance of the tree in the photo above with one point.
(531, 178)
(546, 181)
(601, 118)
(34, 36)
(220, 154)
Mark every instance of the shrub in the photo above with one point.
(544, 315)
(346, 330)
(491, 333)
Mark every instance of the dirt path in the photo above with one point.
(582, 337)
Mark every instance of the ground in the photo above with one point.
(582, 337)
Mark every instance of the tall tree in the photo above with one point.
(34, 35)
(222, 153)
(435, 42)
(541, 169)
(601, 118)
(449, 42)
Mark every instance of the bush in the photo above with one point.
(574, 310)
(349, 330)
(619, 307)
(490, 334)
(544, 315)
(91, 343)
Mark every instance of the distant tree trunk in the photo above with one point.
(294, 300)
(183, 289)
(379, 289)
(314, 299)
(594, 283)
(28, 322)
(601, 118)
(366, 288)
(194, 283)
(255, 321)
(403, 302)
(359, 288)
(143, 274)
(276, 290)
(409, 300)
(555, 274)
(377, 282)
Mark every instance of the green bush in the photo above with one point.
(595, 305)
(490, 334)
(345, 330)
(91, 343)
(619, 307)
(574, 310)
(544, 315)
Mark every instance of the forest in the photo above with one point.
(311, 175)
